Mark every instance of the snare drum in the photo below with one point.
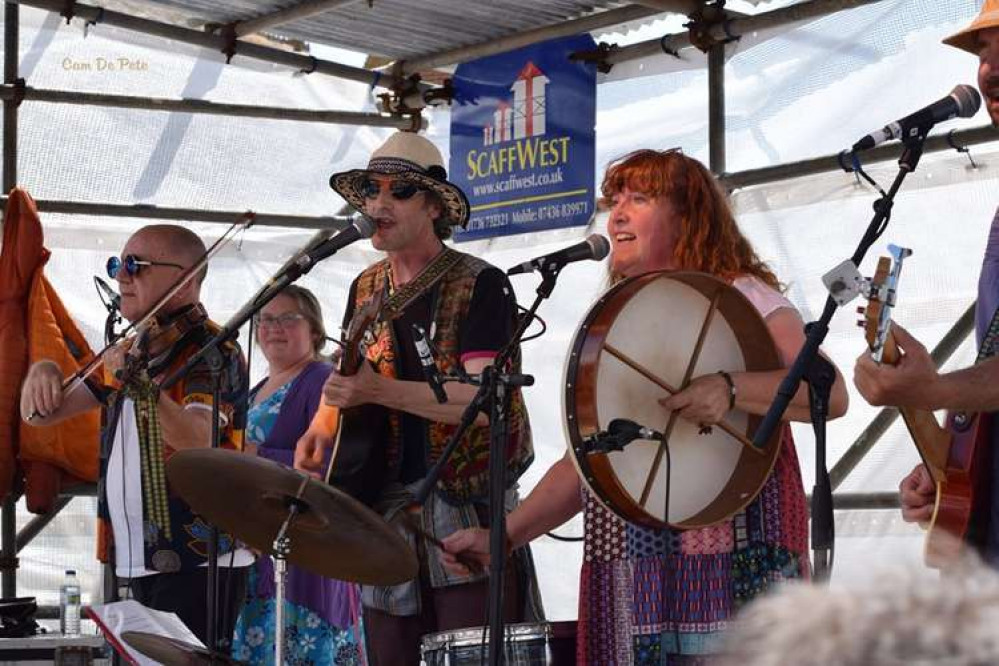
(542, 644)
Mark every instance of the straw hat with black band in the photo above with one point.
(410, 157)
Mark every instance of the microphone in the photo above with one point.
(620, 433)
(964, 102)
(430, 371)
(360, 227)
(111, 298)
(595, 247)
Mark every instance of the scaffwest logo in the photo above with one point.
(520, 124)
(522, 138)
(109, 64)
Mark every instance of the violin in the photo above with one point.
(151, 347)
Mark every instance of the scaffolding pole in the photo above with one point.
(832, 163)
(736, 27)
(11, 56)
(8, 92)
(589, 23)
(218, 43)
(335, 222)
(716, 108)
(287, 15)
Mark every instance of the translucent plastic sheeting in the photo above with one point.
(811, 92)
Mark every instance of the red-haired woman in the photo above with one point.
(663, 596)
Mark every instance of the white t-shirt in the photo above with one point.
(123, 487)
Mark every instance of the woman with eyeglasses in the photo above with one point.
(321, 615)
(663, 596)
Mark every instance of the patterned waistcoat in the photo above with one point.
(466, 475)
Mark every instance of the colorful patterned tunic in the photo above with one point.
(663, 597)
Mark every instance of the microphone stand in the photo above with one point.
(494, 394)
(112, 320)
(819, 374)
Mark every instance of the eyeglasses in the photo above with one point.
(399, 189)
(285, 321)
(132, 265)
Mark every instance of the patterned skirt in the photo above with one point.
(309, 639)
(663, 597)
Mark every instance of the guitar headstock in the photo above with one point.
(881, 291)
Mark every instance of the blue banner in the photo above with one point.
(523, 141)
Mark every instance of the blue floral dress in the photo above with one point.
(310, 640)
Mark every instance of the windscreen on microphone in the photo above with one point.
(600, 246)
(365, 226)
(968, 100)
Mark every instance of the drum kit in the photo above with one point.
(288, 515)
(642, 341)
(329, 534)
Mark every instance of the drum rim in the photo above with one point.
(585, 464)
(517, 631)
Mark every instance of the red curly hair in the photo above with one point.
(709, 239)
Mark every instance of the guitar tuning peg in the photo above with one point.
(861, 323)
(861, 309)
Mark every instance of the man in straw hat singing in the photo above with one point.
(467, 308)
(915, 382)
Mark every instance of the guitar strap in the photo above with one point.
(990, 341)
(428, 277)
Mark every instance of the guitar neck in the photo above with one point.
(931, 439)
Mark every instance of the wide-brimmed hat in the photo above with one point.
(410, 157)
(967, 39)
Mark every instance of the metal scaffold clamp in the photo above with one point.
(702, 26)
(407, 99)
(598, 56)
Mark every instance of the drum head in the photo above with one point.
(643, 340)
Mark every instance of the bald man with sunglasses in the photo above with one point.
(467, 308)
(153, 538)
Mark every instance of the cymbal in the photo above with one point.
(172, 652)
(334, 535)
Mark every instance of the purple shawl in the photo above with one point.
(335, 601)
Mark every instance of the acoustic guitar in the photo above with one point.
(955, 455)
(358, 463)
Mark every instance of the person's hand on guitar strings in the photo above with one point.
(350, 391)
(310, 451)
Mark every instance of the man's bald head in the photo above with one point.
(183, 245)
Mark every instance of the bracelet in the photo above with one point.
(731, 389)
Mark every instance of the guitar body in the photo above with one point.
(359, 463)
(961, 513)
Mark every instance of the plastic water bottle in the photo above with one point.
(69, 605)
